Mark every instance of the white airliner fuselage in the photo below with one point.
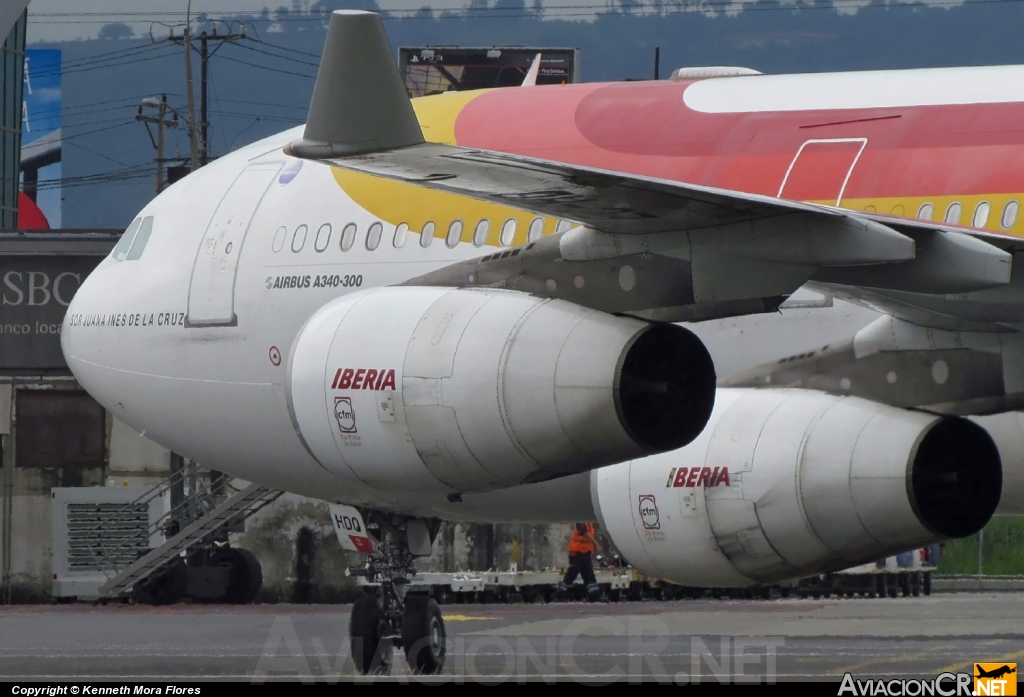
(217, 394)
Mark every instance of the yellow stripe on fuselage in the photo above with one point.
(910, 207)
(398, 202)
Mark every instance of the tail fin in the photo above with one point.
(531, 75)
(359, 103)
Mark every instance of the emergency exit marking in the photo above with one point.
(275, 355)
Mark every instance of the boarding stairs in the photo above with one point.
(200, 514)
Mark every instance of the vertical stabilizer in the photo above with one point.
(531, 75)
(359, 103)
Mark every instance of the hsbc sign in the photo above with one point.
(36, 288)
(34, 295)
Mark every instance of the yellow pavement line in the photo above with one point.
(1002, 659)
(886, 661)
(467, 618)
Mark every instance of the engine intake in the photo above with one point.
(439, 389)
(956, 478)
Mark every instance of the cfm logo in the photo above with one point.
(345, 414)
(649, 512)
(697, 476)
(364, 379)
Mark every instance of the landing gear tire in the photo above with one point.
(165, 587)
(423, 635)
(370, 653)
(246, 574)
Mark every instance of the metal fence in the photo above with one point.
(998, 550)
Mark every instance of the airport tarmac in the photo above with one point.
(681, 641)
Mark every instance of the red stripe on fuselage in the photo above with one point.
(647, 129)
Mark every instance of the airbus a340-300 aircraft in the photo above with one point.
(471, 307)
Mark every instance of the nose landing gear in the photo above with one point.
(387, 617)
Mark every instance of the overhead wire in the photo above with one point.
(249, 47)
(101, 60)
(286, 48)
(80, 109)
(602, 8)
(130, 61)
(264, 67)
(99, 154)
(65, 138)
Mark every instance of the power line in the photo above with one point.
(99, 154)
(81, 109)
(292, 50)
(270, 104)
(238, 114)
(65, 126)
(127, 62)
(96, 178)
(601, 9)
(274, 55)
(100, 60)
(264, 67)
(65, 138)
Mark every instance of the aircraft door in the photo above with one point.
(821, 170)
(211, 293)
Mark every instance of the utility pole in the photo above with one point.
(204, 122)
(186, 42)
(200, 151)
(161, 122)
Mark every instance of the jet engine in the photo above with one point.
(1007, 430)
(785, 483)
(416, 389)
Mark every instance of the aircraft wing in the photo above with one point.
(650, 247)
(610, 201)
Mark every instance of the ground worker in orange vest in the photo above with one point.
(582, 545)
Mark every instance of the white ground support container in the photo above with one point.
(503, 582)
(97, 531)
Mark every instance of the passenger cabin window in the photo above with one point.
(454, 234)
(536, 230)
(926, 211)
(953, 213)
(278, 244)
(1010, 214)
(981, 214)
(563, 226)
(401, 232)
(142, 239)
(427, 236)
(299, 238)
(508, 232)
(323, 237)
(125, 243)
(480, 233)
(348, 237)
(373, 236)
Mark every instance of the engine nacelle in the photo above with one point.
(1007, 430)
(785, 483)
(416, 389)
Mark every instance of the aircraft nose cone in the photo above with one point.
(81, 350)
